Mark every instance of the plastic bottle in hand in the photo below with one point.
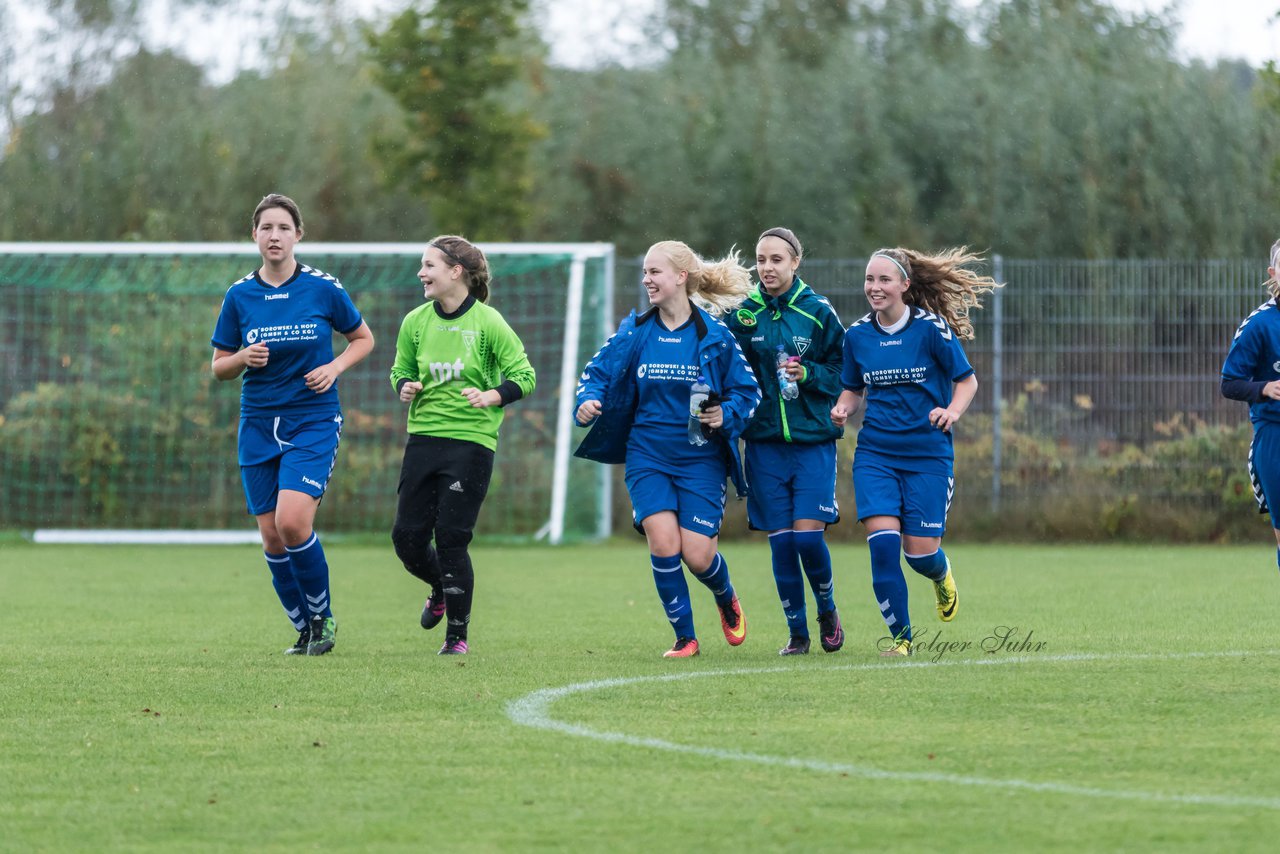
(697, 397)
(790, 391)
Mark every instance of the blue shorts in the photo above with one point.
(920, 500)
(789, 482)
(286, 452)
(1264, 468)
(696, 496)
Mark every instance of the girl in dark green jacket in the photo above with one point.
(792, 338)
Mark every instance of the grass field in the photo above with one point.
(145, 705)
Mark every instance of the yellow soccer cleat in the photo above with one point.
(901, 649)
(947, 595)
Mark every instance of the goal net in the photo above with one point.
(112, 425)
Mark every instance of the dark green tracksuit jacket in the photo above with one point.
(806, 325)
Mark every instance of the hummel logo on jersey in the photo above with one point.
(665, 340)
(311, 482)
(276, 296)
(456, 486)
(895, 342)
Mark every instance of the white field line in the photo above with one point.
(534, 710)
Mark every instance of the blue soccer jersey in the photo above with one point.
(296, 321)
(665, 374)
(905, 375)
(1255, 356)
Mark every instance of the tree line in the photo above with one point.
(1033, 128)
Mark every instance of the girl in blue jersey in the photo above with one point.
(783, 326)
(905, 359)
(1251, 373)
(636, 394)
(276, 327)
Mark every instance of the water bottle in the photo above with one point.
(697, 396)
(788, 387)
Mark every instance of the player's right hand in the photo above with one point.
(588, 412)
(255, 355)
(409, 390)
(839, 415)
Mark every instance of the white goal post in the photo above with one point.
(583, 302)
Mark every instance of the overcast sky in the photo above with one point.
(1211, 29)
(581, 32)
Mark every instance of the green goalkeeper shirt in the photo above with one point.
(471, 348)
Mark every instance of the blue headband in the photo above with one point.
(895, 263)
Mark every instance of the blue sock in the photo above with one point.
(717, 580)
(287, 588)
(312, 571)
(673, 590)
(812, 546)
(888, 582)
(790, 582)
(932, 567)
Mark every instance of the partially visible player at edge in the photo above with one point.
(1251, 373)
(276, 327)
(905, 359)
(791, 442)
(458, 365)
(635, 393)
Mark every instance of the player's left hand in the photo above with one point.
(943, 419)
(321, 379)
(480, 399)
(712, 416)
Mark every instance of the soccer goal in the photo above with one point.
(112, 425)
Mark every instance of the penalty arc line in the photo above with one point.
(534, 710)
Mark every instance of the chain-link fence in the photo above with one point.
(1098, 413)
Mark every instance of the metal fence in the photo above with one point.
(1098, 412)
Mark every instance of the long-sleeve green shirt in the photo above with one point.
(474, 347)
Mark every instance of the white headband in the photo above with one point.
(895, 263)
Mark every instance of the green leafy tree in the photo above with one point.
(453, 70)
(734, 30)
(1269, 100)
(156, 153)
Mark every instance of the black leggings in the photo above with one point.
(443, 482)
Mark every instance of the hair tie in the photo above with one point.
(895, 263)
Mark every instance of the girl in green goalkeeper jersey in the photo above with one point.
(458, 365)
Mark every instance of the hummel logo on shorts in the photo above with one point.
(456, 486)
